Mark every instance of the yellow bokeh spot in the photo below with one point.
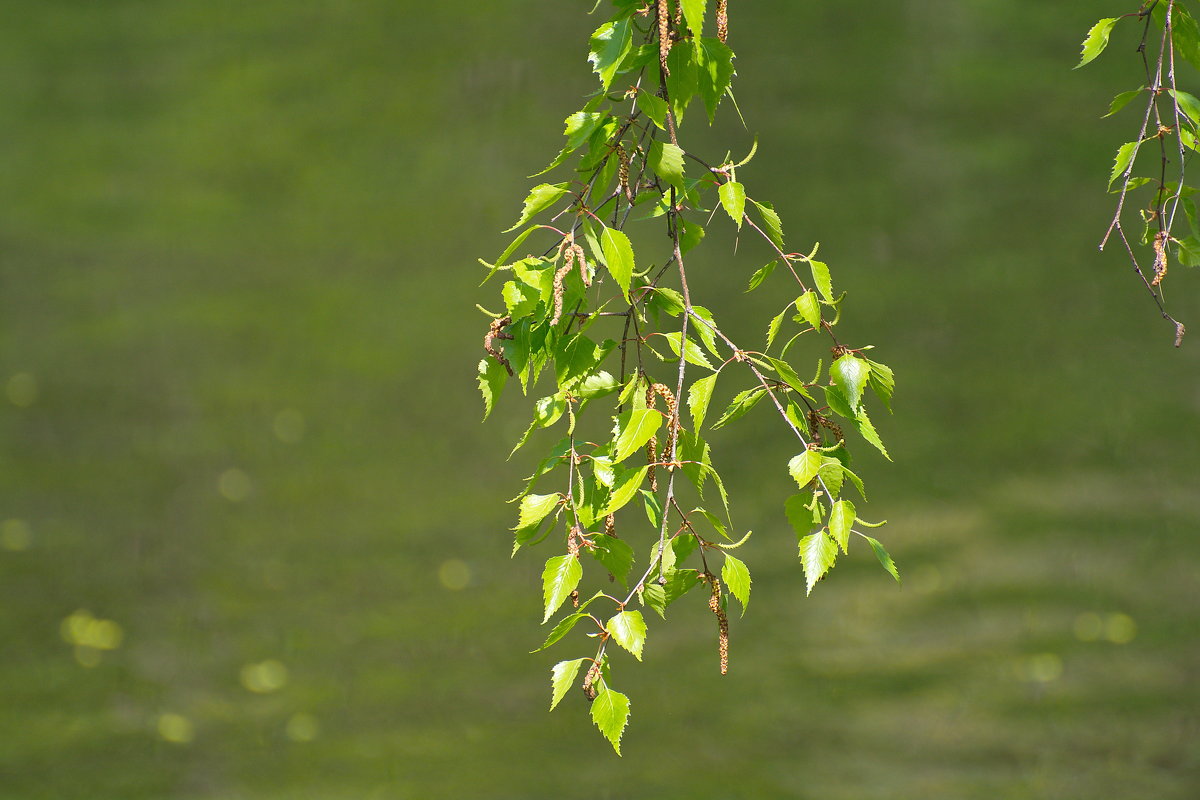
(89, 633)
(302, 727)
(22, 390)
(265, 676)
(455, 575)
(289, 426)
(176, 728)
(234, 485)
(1088, 627)
(1120, 628)
(15, 535)
(1043, 667)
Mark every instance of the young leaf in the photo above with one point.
(628, 629)
(883, 556)
(1124, 155)
(817, 554)
(1122, 100)
(841, 520)
(850, 374)
(681, 77)
(820, 273)
(618, 257)
(560, 577)
(691, 351)
(560, 630)
(610, 712)
(796, 509)
(1097, 40)
(1188, 104)
(865, 429)
(608, 47)
(882, 381)
(614, 554)
(699, 395)
(624, 489)
(1186, 35)
(693, 13)
(773, 226)
(562, 676)
(535, 507)
(809, 308)
(804, 467)
(733, 200)
(761, 274)
(653, 107)
(540, 198)
(579, 128)
(641, 426)
(713, 72)
(742, 402)
(736, 578)
(492, 378)
(666, 160)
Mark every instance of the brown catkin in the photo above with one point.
(668, 397)
(714, 604)
(495, 332)
(623, 173)
(1160, 257)
(610, 525)
(664, 35)
(583, 267)
(589, 680)
(652, 457)
(573, 541)
(722, 20)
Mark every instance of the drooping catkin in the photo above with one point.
(558, 290)
(722, 20)
(714, 604)
(668, 397)
(623, 173)
(1160, 257)
(495, 331)
(589, 681)
(664, 35)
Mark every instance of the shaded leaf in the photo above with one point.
(761, 274)
(772, 226)
(863, 423)
(884, 558)
(1122, 100)
(614, 555)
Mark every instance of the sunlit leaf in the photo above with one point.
(666, 160)
(608, 47)
(1125, 154)
(642, 424)
(884, 558)
(618, 257)
(841, 520)
(714, 69)
(614, 555)
(625, 488)
(1122, 100)
(539, 199)
(610, 712)
(736, 578)
(492, 378)
(817, 554)
(562, 677)
(772, 226)
(762, 273)
(820, 273)
(742, 402)
(628, 629)
(693, 14)
(653, 107)
(809, 308)
(804, 467)
(560, 630)
(850, 373)
(535, 508)
(733, 200)
(560, 577)
(1096, 40)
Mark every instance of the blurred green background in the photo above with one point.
(254, 541)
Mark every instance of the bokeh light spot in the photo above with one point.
(302, 727)
(234, 485)
(90, 636)
(1043, 667)
(176, 728)
(926, 579)
(289, 426)
(22, 390)
(15, 535)
(265, 676)
(1088, 627)
(1120, 628)
(454, 574)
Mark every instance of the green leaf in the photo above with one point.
(865, 429)
(1186, 35)
(683, 546)
(699, 396)
(1124, 155)
(1122, 100)
(714, 69)
(882, 382)
(535, 508)
(610, 712)
(560, 577)
(628, 629)
(625, 488)
(809, 308)
(1097, 40)
(773, 328)
(736, 578)
(681, 78)
(618, 257)
(653, 107)
(598, 385)
(680, 582)
(883, 556)
(789, 376)
(762, 274)
(841, 520)
(614, 555)
(804, 467)
(850, 374)
(1188, 104)
(608, 47)
(837, 402)
(820, 273)
(692, 352)
(817, 554)
(492, 378)
(741, 403)
(693, 12)
(772, 226)
(579, 128)
(666, 160)
(705, 327)
(796, 509)
(539, 199)
(562, 676)
(560, 630)
(642, 424)
(733, 200)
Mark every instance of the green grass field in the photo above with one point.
(237, 348)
